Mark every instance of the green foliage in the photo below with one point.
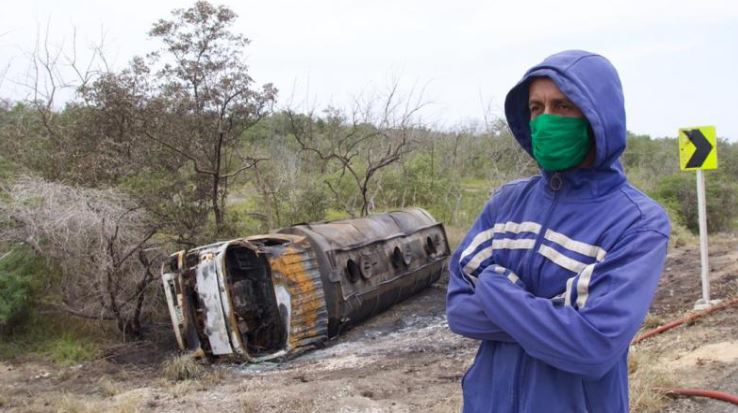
(177, 198)
(57, 338)
(309, 204)
(6, 169)
(20, 274)
(647, 160)
(417, 183)
(678, 194)
(70, 349)
(334, 214)
(14, 300)
(241, 220)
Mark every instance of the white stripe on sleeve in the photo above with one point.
(567, 294)
(561, 259)
(498, 244)
(583, 286)
(512, 227)
(478, 240)
(576, 246)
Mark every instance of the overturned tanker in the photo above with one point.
(278, 294)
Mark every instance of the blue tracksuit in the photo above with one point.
(558, 272)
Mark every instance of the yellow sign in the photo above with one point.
(697, 148)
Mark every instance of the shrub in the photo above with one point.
(678, 194)
(20, 273)
(99, 240)
(14, 298)
(182, 367)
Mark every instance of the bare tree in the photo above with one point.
(508, 160)
(98, 240)
(376, 134)
(56, 72)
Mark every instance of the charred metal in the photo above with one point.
(278, 294)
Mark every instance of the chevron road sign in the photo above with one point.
(697, 148)
(698, 151)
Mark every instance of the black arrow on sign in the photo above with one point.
(703, 148)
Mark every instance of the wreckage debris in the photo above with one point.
(279, 294)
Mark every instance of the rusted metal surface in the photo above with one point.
(371, 263)
(273, 295)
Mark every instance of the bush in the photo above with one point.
(678, 194)
(14, 298)
(20, 273)
(307, 204)
(100, 242)
(182, 367)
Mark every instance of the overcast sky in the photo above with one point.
(678, 60)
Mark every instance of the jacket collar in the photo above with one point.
(584, 183)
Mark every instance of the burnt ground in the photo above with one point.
(404, 360)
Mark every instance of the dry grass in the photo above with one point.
(646, 377)
(126, 405)
(651, 321)
(182, 388)
(213, 376)
(250, 404)
(184, 367)
(72, 403)
(455, 235)
(448, 404)
(108, 387)
(681, 236)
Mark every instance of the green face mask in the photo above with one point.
(559, 142)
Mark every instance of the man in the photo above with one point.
(558, 272)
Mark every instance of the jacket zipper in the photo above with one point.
(555, 184)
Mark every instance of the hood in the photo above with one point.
(591, 82)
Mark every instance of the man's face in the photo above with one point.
(545, 97)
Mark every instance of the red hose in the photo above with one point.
(691, 317)
(717, 395)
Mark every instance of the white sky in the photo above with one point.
(678, 60)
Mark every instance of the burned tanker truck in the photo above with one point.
(279, 294)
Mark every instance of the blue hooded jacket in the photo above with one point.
(558, 272)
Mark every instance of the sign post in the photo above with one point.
(698, 151)
(702, 218)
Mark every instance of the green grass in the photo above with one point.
(71, 349)
(476, 185)
(334, 214)
(59, 339)
(27, 330)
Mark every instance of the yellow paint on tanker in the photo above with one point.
(303, 322)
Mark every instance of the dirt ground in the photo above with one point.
(404, 360)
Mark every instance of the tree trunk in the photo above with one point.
(217, 211)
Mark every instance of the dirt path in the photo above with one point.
(404, 360)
